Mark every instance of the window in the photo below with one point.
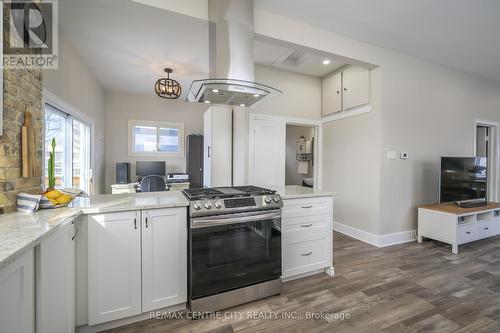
(156, 138)
(72, 151)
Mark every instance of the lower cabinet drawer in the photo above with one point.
(307, 207)
(305, 254)
(485, 229)
(467, 233)
(306, 225)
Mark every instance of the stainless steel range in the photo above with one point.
(234, 246)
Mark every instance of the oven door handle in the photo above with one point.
(211, 221)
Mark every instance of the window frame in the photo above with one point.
(132, 123)
(66, 108)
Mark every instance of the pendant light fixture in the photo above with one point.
(167, 87)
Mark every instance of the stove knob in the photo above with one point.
(268, 199)
(208, 205)
(218, 204)
(197, 205)
(276, 198)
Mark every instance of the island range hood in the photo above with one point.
(231, 77)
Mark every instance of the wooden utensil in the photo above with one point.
(28, 146)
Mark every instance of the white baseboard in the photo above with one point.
(375, 240)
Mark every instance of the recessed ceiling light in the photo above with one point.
(242, 104)
(326, 62)
(215, 90)
(207, 102)
(256, 95)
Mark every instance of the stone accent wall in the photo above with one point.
(22, 91)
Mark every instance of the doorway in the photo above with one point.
(486, 145)
(299, 166)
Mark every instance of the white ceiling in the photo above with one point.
(295, 60)
(127, 45)
(463, 34)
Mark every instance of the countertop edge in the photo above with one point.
(79, 211)
(38, 240)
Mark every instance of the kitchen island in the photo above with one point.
(121, 256)
(38, 251)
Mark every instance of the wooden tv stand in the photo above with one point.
(454, 225)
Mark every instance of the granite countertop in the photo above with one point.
(106, 203)
(296, 191)
(20, 232)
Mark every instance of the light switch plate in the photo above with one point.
(403, 155)
(391, 155)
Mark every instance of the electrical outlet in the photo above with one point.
(403, 155)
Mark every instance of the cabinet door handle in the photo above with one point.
(306, 225)
(345, 89)
(146, 221)
(467, 232)
(208, 150)
(306, 254)
(338, 92)
(76, 232)
(135, 223)
(310, 206)
(486, 228)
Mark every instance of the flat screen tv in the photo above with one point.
(463, 179)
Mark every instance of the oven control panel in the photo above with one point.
(240, 202)
(234, 205)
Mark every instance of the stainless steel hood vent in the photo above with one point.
(231, 58)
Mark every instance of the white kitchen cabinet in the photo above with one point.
(307, 236)
(114, 266)
(217, 146)
(17, 301)
(55, 282)
(164, 258)
(331, 94)
(355, 86)
(344, 90)
(266, 152)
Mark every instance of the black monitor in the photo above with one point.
(148, 168)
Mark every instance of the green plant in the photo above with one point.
(52, 164)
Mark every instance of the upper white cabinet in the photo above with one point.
(55, 282)
(114, 266)
(164, 258)
(266, 152)
(345, 90)
(356, 86)
(217, 141)
(17, 301)
(331, 94)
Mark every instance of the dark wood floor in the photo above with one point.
(403, 288)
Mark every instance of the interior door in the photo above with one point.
(267, 152)
(114, 261)
(164, 258)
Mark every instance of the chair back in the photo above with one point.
(153, 184)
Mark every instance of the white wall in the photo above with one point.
(424, 109)
(120, 107)
(293, 134)
(75, 84)
(301, 96)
